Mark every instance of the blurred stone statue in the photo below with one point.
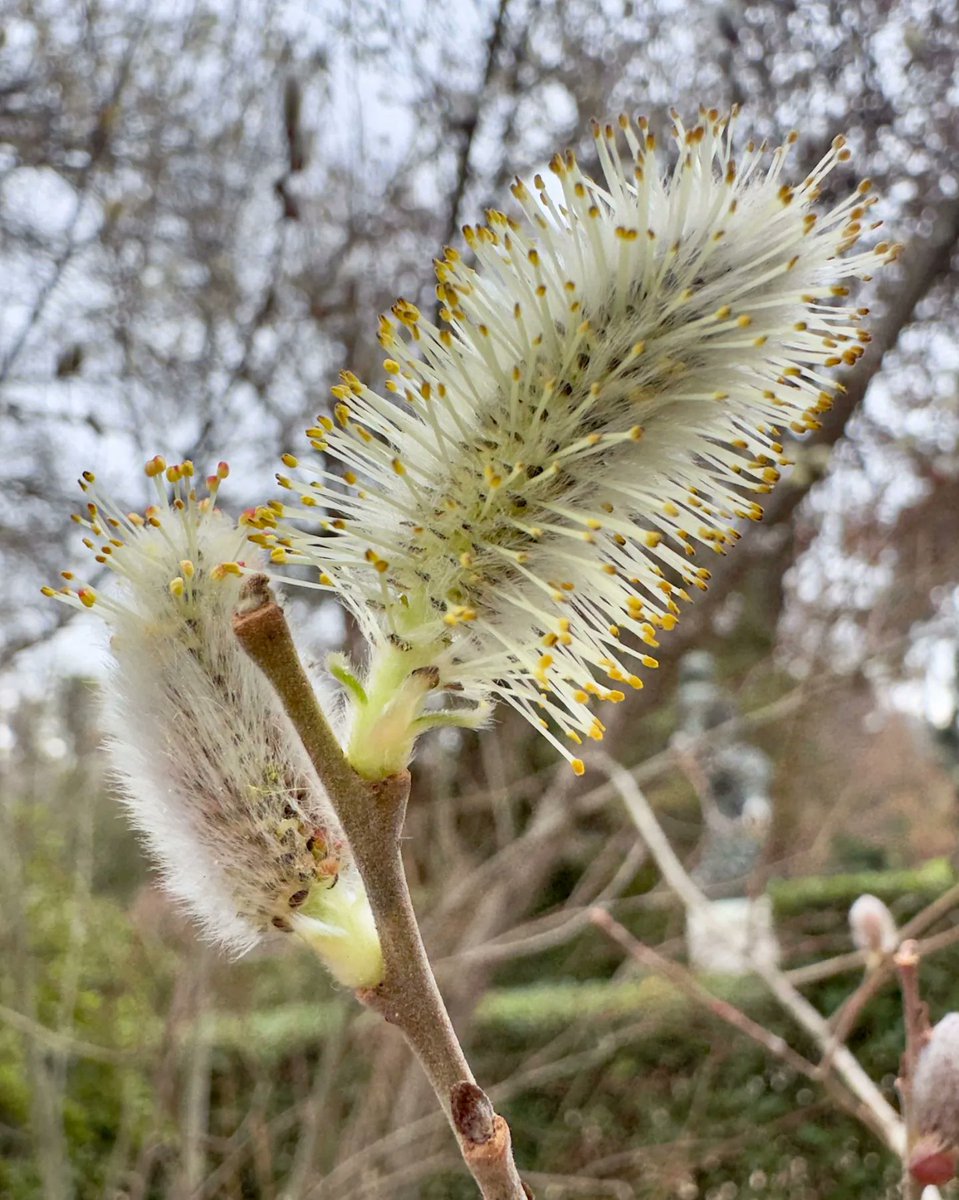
(945, 732)
(734, 780)
(702, 703)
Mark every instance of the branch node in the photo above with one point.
(390, 795)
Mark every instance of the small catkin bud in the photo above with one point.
(873, 928)
(935, 1100)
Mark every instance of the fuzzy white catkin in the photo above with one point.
(209, 768)
(873, 926)
(605, 395)
(935, 1085)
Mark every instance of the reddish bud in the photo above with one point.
(931, 1163)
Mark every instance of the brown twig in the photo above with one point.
(687, 983)
(916, 1022)
(846, 1018)
(372, 815)
(878, 1113)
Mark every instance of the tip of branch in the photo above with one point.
(907, 955)
(255, 594)
(258, 619)
(472, 1112)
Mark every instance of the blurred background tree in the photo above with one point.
(202, 209)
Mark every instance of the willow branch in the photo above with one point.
(372, 815)
(687, 983)
(882, 1118)
(916, 1021)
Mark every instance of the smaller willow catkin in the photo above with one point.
(210, 771)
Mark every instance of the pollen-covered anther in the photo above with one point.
(459, 614)
(222, 570)
(376, 562)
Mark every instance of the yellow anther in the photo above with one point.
(226, 568)
(458, 613)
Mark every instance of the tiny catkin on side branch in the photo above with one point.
(372, 815)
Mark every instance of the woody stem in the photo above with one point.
(372, 814)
